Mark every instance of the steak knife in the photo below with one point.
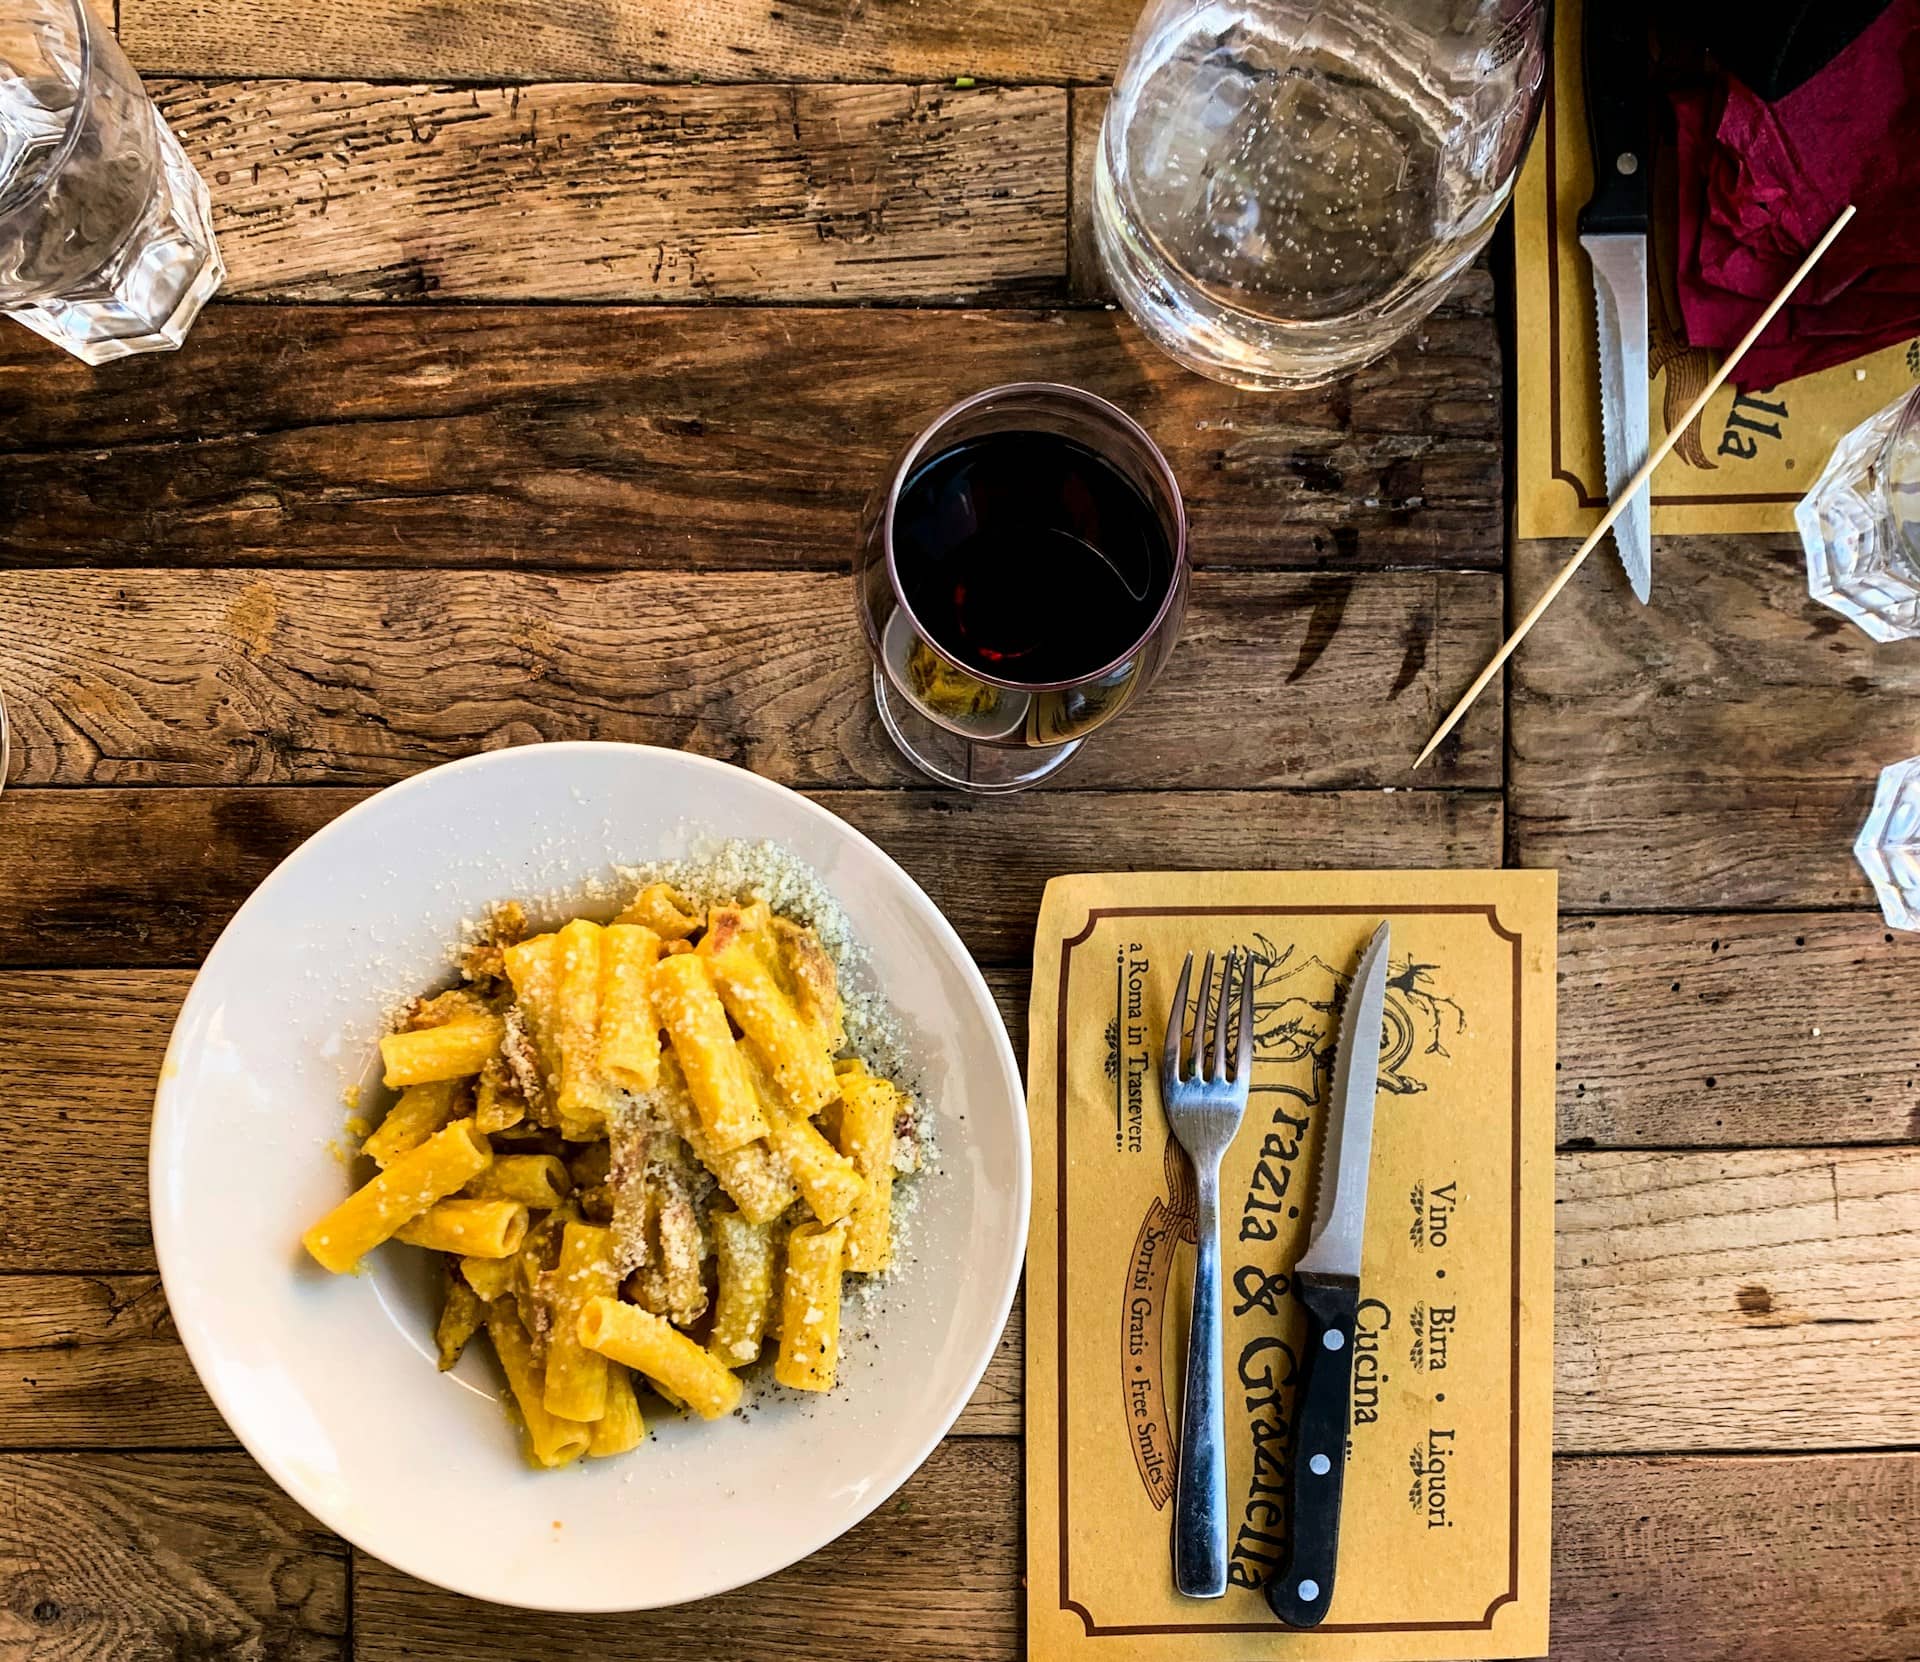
(1613, 230)
(1327, 1280)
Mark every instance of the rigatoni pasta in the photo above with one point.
(576, 1379)
(710, 1058)
(810, 1307)
(407, 1187)
(457, 1050)
(421, 1111)
(868, 1109)
(652, 1345)
(468, 1228)
(743, 1259)
(646, 1158)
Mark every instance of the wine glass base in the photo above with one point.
(985, 769)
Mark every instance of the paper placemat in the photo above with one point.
(1751, 457)
(1445, 1534)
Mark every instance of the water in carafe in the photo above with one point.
(1282, 190)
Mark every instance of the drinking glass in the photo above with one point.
(1283, 188)
(1860, 524)
(106, 240)
(981, 732)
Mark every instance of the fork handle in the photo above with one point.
(1200, 1496)
(1300, 1594)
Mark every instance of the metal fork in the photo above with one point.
(1203, 1110)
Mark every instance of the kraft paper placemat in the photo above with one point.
(1751, 457)
(1444, 1541)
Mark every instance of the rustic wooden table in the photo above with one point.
(557, 353)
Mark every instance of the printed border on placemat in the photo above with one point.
(1063, 1212)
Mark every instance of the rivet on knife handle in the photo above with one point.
(1300, 1594)
(1614, 51)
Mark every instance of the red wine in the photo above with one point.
(1029, 557)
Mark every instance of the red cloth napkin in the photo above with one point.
(1760, 183)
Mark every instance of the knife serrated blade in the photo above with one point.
(1620, 308)
(1326, 1281)
(1340, 1203)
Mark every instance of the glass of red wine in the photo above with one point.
(1022, 575)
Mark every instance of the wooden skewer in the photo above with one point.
(1626, 495)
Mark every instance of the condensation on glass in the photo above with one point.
(1282, 189)
(106, 239)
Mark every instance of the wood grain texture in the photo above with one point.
(349, 191)
(1796, 1558)
(1728, 1028)
(1795, 1274)
(79, 1054)
(689, 438)
(150, 876)
(1715, 749)
(629, 40)
(1086, 110)
(93, 1361)
(161, 1557)
(149, 677)
(143, 877)
(85, 1042)
(1743, 1560)
(933, 1576)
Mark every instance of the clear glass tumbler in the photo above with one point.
(1860, 524)
(982, 732)
(106, 239)
(1285, 187)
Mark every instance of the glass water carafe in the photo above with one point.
(106, 239)
(1285, 188)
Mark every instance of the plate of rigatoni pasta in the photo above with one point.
(589, 1177)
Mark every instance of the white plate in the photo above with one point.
(329, 1381)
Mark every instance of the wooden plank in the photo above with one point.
(936, 1570)
(142, 877)
(1740, 1559)
(349, 191)
(83, 1040)
(688, 438)
(79, 1054)
(1716, 749)
(1796, 1272)
(1086, 110)
(150, 876)
(1754, 1560)
(141, 1557)
(1729, 1028)
(148, 677)
(1754, 1299)
(93, 1361)
(628, 40)
(1712, 1560)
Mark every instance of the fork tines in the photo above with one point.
(1177, 1028)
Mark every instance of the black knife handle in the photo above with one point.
(1619, 123)
(1300, 1594)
